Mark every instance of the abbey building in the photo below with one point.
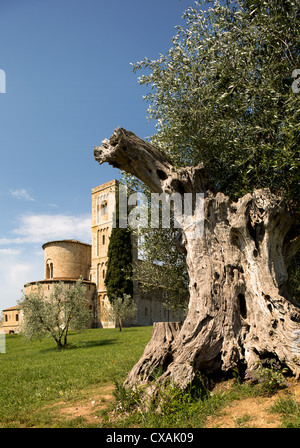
(68, 260)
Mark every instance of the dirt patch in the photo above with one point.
(87, 407)
(252, 412)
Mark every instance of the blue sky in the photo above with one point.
(69, 84)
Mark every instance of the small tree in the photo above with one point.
(120, 310)
(65, 309)
(118, 279)
(163, 268)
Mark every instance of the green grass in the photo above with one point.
(35, 378)
(34, 375)
(289, 409)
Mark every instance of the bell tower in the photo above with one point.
(103, 206)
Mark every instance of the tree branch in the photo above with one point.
(126, 151)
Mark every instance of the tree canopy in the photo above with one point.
(54, 315)
(122, 309)
(223, 95)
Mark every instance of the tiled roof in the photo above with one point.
(17, 307)
(65, 241)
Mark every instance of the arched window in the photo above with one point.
(98, 210)
(98, 243)
(103, 208)
(103, 239)
(49, 269)
(98, 274)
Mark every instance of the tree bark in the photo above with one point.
(156, 354)
(239, 310)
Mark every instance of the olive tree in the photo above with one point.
(120, 310)
(54, 315)
(225, 95)
(228, 123)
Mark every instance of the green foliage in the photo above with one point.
(223, 95)
(270, 378)
(164, 267)
(35, 376)
(36, 379)
(65, 309)
(118, 279)
(127, 398)
(289, 409)
(170, 407)
(294, 275)
(121, 309)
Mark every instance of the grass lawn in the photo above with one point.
(34, 375)
(73, 388)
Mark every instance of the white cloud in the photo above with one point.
(10, 251)
(44, 227)
(5, 241)
(21, 194)
(23, 262)
(16, 270)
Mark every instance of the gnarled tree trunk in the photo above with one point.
(239, 308)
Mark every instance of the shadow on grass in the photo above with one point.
(80, 345)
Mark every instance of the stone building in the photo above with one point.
(11, 319)
(64, 261)
(68, 260)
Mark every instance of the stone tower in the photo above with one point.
(66, 261)
(103, 206)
